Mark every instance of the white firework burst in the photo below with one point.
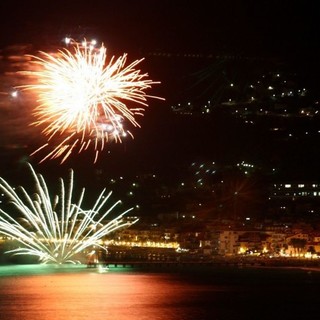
(57, 230)
(84, 99)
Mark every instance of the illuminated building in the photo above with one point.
(295, 198)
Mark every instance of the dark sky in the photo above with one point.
(273, 26)
(285, 29)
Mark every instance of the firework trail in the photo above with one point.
(82, 98)
(58, 230)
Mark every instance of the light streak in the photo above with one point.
(83, 99)
(56, 230)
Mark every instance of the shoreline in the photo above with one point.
(165, 266)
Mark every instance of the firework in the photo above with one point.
(56, 231)
(82, 98)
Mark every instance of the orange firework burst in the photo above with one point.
(82, 97)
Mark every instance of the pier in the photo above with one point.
(214, 263)
(170, 264)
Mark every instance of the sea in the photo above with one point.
(39, 292)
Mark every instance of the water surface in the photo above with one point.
(39, 292)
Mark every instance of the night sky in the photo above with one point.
(283, 30)
(277, 27)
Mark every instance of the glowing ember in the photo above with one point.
(56, 231)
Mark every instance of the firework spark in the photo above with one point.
(56, 231)
(82, 97)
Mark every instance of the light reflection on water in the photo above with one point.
(37, 292)
(33, 292)
(36, 269)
